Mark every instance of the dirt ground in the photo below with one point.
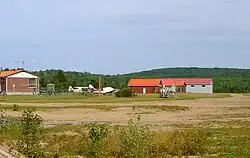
(233, 108)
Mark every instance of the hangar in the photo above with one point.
(18, 82)
(184, 85)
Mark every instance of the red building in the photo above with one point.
(147, 86)
(190, 85)
(18, 82)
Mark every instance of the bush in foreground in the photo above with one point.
(95, 141)
(31, 134)
(135, 140)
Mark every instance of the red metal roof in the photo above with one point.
(170, 82)
(154, 82)
(144, 82)
(149, 82)
(193, 81)
(10, 72)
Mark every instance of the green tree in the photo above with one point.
(74, 83)
(94, 83)
(61, 77)
(225, 79)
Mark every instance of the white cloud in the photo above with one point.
(218, 38)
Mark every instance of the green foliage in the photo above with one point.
(126, 92)
(95, 142)
(31, 134)
(186, 143)
(61, 145)
(135, 140)
(225, 79)
(2, 122)
(15, 107)
(94, 83)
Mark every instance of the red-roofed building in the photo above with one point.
(146, 86)
(189, 85)
(18, 82)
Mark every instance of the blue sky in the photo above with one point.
(124, 36)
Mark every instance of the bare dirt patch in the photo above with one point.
(158, 112)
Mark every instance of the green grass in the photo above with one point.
(224, 141)
(238, 108)
(246, 94)
(77, 98)
(171, 108)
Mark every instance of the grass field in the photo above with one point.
(246, 94)
(215, 125)
(77, 98)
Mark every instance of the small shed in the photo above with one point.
(18, 82)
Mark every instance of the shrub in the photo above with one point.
(61, 145)
(15, 107)
(135, 140)
(186, 143)
(94, 142)
(3, 122)
(125, 93)
(31, 133)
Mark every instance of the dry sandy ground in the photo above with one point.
(236, 107)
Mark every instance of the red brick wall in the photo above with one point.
(21, 85)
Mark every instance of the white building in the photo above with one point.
(197, 85)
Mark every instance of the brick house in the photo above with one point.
(18, 82)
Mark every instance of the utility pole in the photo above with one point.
(100, 86)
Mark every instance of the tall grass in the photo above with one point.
(136, 140)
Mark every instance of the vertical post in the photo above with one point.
(99, 86)
(38, 85)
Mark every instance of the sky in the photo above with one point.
(115, 37)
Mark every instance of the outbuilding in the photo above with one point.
(197, 85)
(18, 82)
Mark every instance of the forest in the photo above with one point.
(225, 79)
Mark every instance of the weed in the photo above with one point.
(30, 134)
(3, 123)
(135, 140)
(94, 142)
(15, 107)
(186, 143)
(164, 107)
(61, 145)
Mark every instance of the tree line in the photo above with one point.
(225, 79)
